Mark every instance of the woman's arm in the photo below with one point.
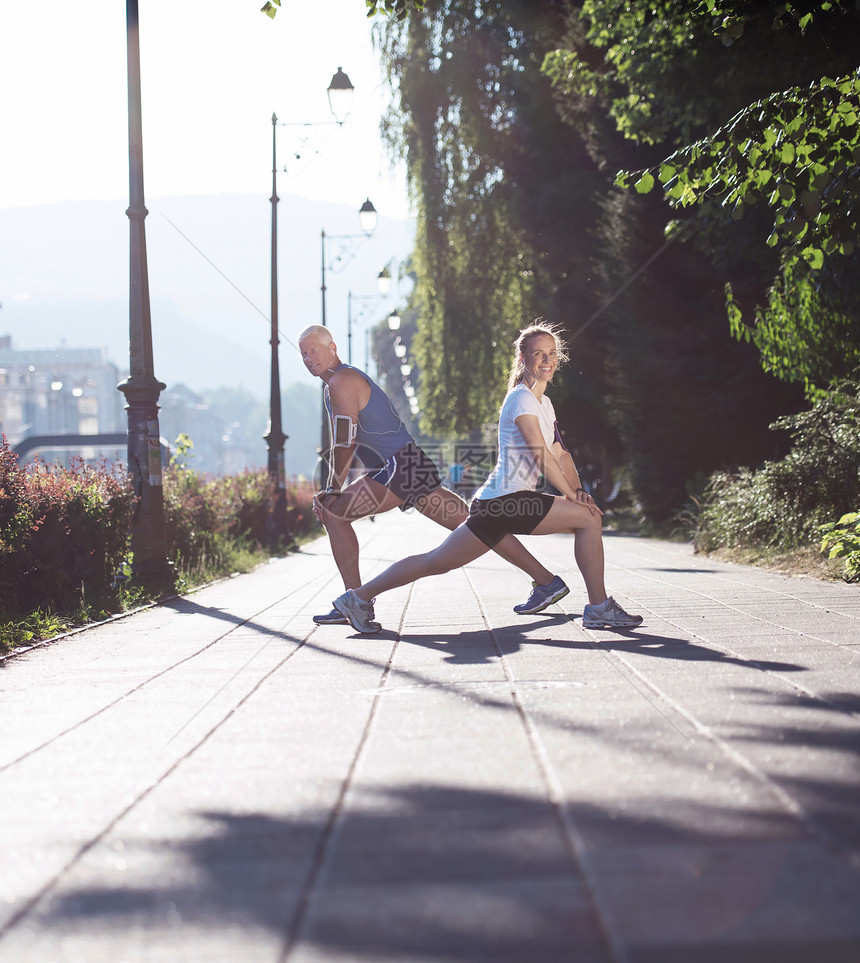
(565, 461)
(558, 470)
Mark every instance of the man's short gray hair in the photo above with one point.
(317, 331)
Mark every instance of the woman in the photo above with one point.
(529, 446)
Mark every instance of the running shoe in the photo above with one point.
(542, 596)
(331, 618)
(360, 614)
(609, 615)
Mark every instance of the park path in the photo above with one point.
(216, 779)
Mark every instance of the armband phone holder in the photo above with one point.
(345, 430)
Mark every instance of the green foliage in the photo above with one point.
(784, 503)
(502, 191)
(807, 330)
(207, 520)
(842, 540)
(64, 537)
(796, 151)
(786, 75)
(395, 8)
(64, 532)
(518, 217)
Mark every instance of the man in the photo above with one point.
(397, 474)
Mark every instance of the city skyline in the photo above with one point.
(211, 76)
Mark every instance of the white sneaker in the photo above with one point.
(609, 615)
(360, 614)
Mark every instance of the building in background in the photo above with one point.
(58, 391)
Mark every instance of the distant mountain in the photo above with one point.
(64, 281)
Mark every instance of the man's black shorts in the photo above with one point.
(409, 473)
(517, 514)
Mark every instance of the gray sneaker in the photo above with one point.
(609, 615)
(542, 597)
(331, 618)
(360, 614)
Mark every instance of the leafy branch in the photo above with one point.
(396, 8)
(798, 151)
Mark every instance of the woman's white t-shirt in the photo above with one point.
(516, 469)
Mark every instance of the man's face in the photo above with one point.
(317, 355)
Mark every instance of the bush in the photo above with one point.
(64, 536)
(63, 532)
(784, 503)
(208, 519)
(842, 540)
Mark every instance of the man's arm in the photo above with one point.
(345, 390)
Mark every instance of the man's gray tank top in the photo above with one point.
(380, 433)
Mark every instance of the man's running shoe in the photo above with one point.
(542, 597)
(360, 614)
(331, 618)
(609, 615)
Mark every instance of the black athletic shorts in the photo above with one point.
(517, 514)
(410, 473)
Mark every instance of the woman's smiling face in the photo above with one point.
(540, 357)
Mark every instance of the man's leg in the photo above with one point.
(362, 498)
(448, 509)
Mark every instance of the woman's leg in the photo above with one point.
(578, 517)
(448, 509)
(458, 549)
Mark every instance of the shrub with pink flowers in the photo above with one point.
(63, 532)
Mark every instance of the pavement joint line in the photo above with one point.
(156, 604)
(794, 808)
(280, 631)
(476, 684)
(29, 904)
(731, 577)
(293, 933)
(574, 843)
(748, 615)
(607, 653)
(763, 667)
(158, 675)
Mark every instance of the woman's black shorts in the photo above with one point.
(517, 514)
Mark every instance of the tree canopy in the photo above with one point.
(785, 78)
(395, 8)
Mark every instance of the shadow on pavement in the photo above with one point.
(447, 873)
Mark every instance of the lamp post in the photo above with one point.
(340, 93)
(150, 564)
(367, 220)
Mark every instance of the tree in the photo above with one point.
(786, 76)
(394, 8)
(518, 217)
(475, 120)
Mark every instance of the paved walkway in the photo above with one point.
(217, 780)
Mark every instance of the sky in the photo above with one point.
(212, 73)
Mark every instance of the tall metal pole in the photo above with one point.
(274, 435)
(349, 327)
(324, 419)
(150, 564)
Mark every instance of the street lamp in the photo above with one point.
(393, 321)
(367, 220)
(383, 280)
(350, 298)
(340, 95)
(150, 564)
